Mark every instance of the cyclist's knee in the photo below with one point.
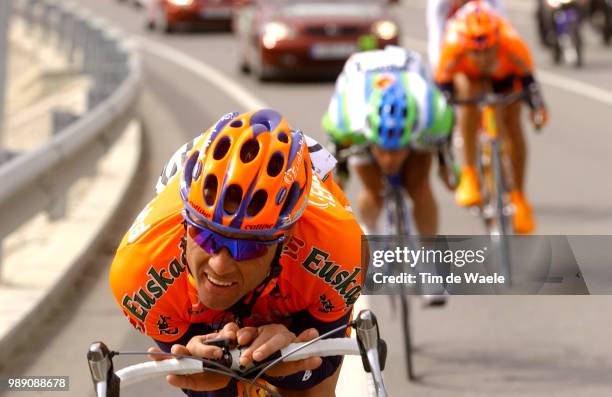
(416, 175)
(467, 88)
(419, 190)
(513, 123)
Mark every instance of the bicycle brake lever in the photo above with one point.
(100, 361)
(235, 365)
(223, 343)
(368, 338)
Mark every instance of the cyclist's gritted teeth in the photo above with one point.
(218, 283)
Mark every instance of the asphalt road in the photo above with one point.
(475, 346)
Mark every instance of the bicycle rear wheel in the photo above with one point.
(497, 213)
(398, 222)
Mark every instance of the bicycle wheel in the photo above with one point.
(484, 174)
(500, 222)
(397, 216)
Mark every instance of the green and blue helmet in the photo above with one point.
(393, 111)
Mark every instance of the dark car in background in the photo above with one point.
(308, 37)
(170, 15)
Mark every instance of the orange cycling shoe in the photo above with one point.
(524, 222)
(468, 191)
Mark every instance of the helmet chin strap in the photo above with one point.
(243, 308)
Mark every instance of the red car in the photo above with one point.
(280, 37)
(168, 15)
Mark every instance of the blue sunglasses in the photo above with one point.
(240, 249)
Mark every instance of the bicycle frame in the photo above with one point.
(495, 174)
(368, 344)
(398, 221)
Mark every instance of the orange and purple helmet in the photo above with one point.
(478, 25)
(251, 175)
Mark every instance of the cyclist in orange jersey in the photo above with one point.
(250, 239)
(481, 51)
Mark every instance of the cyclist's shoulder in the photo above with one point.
(148, 273)
(327, 222)
(322, 261)
(153, 239)
(452, 44)
(514, 46)
(508, 33)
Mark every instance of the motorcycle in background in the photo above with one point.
(564, 36)
(600, 15)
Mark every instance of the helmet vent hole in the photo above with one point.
(236, 124)
(222, 148)
(275, 165)
(282, 136)
(249, 151)
(257, 202)
(232, 199)
(210, 189)
(291, 199)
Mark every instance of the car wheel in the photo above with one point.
(161, 21)
(261, 72)
(244, 67)
(149, 24)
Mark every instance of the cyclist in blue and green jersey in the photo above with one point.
(386, 101)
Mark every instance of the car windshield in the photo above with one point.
(341, 8)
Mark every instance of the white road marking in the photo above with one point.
(206, 72)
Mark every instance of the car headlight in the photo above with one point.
(386, 30)
(273, 32)
(183, 3)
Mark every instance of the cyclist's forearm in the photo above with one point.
(534, 98)
(300, 322)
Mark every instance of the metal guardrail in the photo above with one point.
(37, 180)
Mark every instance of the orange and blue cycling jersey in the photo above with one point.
(320, 279)
(513, 58)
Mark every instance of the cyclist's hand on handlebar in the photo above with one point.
(539, 117)
(268, 339)
(197, 347)
(203, 381)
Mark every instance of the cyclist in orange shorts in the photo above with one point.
(480, 52)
